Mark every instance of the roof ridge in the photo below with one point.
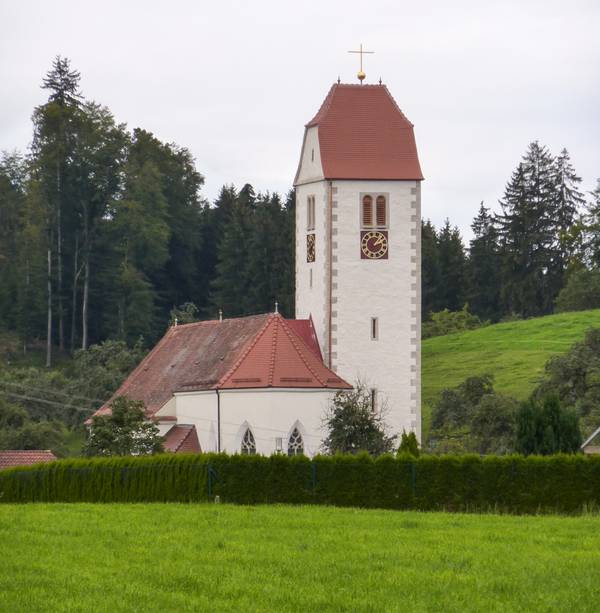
(245, 351)
(389, 93)
(273, 352)
(220, 321)
(291, 334)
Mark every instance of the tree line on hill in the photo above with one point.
(545, 240)
(103, 231)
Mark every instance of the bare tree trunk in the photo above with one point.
(86, 279)
(24, 322)
(76, 272)
(59, 268)
(84, 310)
(49, 329)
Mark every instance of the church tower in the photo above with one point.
(358, 249)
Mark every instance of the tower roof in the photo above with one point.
(364, 135)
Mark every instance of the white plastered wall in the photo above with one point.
(311, 299)
(361, 289)
(270, 413)
(388, 289)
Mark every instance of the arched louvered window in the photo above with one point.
(295, 443)
(367, 212)
(380, 212)
(248, 443)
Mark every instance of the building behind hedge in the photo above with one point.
(251, 385)
(262, 384)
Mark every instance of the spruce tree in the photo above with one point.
(567, 205)
(430, 270)
(452, 265)
(526, 234)
(483, 273)
(591, 219)
(230, 287)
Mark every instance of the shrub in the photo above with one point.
(545, 427)
(515, 484)
(446, 322)
(581, 292)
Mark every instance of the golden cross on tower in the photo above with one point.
(361, 75)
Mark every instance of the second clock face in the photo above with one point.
(373, 245)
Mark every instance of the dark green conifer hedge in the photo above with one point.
(512, 484)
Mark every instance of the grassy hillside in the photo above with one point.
(200, 557)
(514, 352)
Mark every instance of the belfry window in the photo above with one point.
(380, 212)
(248, 443)
(367, 212)
(295, 443)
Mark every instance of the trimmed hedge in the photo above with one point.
(513, 484)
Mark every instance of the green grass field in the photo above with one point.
(224, 558)
(514, 352)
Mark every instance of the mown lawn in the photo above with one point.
(173, 557)
(514, 352)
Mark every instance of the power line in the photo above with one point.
(49, 391)
(50, 402)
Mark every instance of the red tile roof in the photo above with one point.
(305, 329)
(19, 457)
(364, 135)
(182, 439)
(278, 357)
(257, 351)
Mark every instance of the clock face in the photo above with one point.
(310, 247)
(373, 245)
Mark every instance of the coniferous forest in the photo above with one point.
(106, 239)
(104, 233)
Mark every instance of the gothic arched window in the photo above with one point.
(295, 443)
(367, 212)
(380, 212)
(248, 443)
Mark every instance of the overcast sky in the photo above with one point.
(235, 82)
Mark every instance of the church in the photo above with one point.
(262, 384)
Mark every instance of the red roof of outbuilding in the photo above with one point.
(364, 135)
(257, 351)
(182, 439)
(18, 457)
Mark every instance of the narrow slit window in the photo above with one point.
(374, 328)
(310, 213)
(367, 212)
(381, 212)
(310, 273)
(373, 400)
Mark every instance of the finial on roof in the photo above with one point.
(220, 314)
(339, 80)
(276, 306)
(361, 73)
(380, 81)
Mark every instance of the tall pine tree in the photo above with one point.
(526, 234)
(483, 271)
